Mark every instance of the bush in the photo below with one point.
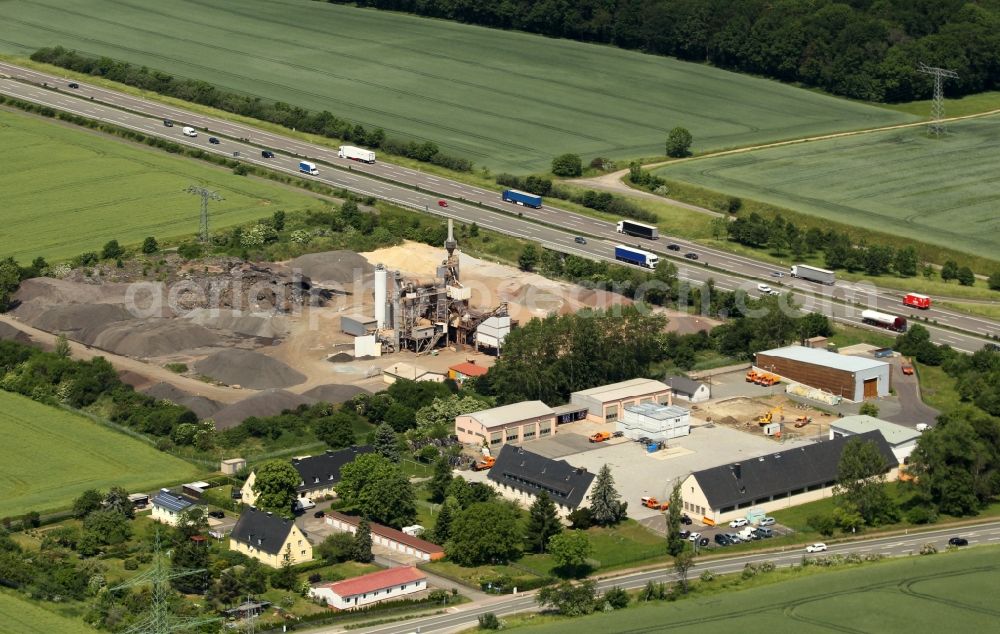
(130, 564)
(567, 165)
(921, 515)
(489, 621)
(617, 598)
(823, 524)
(928, 549)
(189, 250)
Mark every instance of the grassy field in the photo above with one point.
(938, 191)
(20, 615)
(503, 99)
(52, 455)
(67, 191)
(940, 593)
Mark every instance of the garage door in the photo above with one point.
(871, 388)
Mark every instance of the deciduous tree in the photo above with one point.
(378, 489)
(568, 165)
(570, 550)
(675, 543)
(543, 523)
(485, 533)
(274, 485)
(679, 143)
(569, 599)
(861, 482)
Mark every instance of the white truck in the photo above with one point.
(814, 274)
(189, 131)
(356, 154)
(308, 168)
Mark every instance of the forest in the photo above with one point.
(862, 49)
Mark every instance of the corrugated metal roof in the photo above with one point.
(658, 412)
(817, 356)
(894, 434)
(498, 416)
(624, 389)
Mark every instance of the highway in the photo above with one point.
(464, 616)
(554, 228)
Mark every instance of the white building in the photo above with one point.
(409, 372)
(168, 506)
(656, 422)
(685, 389)
(384, 585)
(902, 440)
(605, 403)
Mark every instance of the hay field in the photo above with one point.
(50, 456)
(503, 99)
(18, 614)
(67, 191)
(939, 191)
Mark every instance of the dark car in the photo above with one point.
(319, 514)
(703, 541)
(617, 434)
(267, 153)
(674, 247)
(645, 440)
(73, 84)
(684, 534)
(580, 240)
(217, 514)
(213, 140)
(686, 519)
(722, 540)
(958, 541)
(167, 123)
(691, 256)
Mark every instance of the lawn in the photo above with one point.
(51, 456)
(20, 615)
(503, 99)
(901, 182)
(67, 191)
(940, 593)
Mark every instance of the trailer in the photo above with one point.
(636, 256)
(639, 230)
(356, 154)
(916, 300)
(814, 274)
(882, 320)
(522, 198)
(308, 168)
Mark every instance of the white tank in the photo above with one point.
(381, 299)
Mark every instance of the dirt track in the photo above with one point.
(154, 373)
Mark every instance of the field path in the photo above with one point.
(614, 182)
(154, 373)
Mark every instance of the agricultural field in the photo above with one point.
(20, 615)
(939, 191)
(50, 456)
(67, 191)
(927, 594)
(505, 100)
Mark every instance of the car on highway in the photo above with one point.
(73, 84)
(958, 541)
(739, 522)
(818, 547)
(213, 140)
(777, 274)
(167, 123)
(674, 247)
(691, 256)
(580, 240)
(693, 537)
(766, 521)
(765, 289)
(217, 514)
(442, 203)
(722, 540)
(267, 154)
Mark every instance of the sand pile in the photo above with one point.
(201, 406)
(154, 338)
(334, 393)
(248, 369)
(10, 333)
(247, 324)
(333, 267)
(266, 403)
(54, 291)
(413, 258)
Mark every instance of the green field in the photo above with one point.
(22, 616)
(51, 455)
(67, 191)
(954, 592)
(903, 182)
(503, 99)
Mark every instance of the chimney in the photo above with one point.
(737, 471)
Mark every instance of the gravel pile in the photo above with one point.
(333, 267)
(340, 357)
(203, 407)
(334, 393)
(140, 339)
(266, 403)
(248, 369)
(10, 333)
(241, 323)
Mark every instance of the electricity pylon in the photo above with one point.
(936, 126)
(206, 195)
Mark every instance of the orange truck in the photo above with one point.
(486, 463)
(652, 503)
(600, 436)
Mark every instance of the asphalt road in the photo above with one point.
(552, 227)
(466, 615)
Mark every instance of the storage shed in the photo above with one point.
(852, 378)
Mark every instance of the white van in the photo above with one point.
(189, 131)
(304, 504)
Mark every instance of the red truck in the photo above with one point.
(916, 300)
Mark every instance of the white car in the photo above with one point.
(766, 521)
(694, 537)
(739, 522)
(764, 288)
(818, 547)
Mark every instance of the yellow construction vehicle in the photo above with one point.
(769, 416)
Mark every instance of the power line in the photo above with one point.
(206, 195)
(936, 126)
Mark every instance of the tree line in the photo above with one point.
(323, 123)
(601, 201)
(863, 50)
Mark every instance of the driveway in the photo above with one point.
(912, 408)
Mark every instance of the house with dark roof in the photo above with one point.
(780, 480)
(168, 506)
(268, 538)
(521, 476)
(375, 587)
(387, 537)
(689, 390)
(319, 473)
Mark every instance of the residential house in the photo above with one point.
(521, 475)
(168, 506)
(319, 474)
(269, 538)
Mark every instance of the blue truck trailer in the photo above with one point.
(308, 168)
(636, 256)
(522, 198)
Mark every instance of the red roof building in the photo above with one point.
(383, 585)
(388, 537)
(462, 371)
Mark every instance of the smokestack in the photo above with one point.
(381, 298)
(450, 244)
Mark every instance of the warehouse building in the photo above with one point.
(659, 423)
(515, 423)
(375, 587)
(849, 377)
(521, 476)
(902, 440)
(607, 403)
(771, 483)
